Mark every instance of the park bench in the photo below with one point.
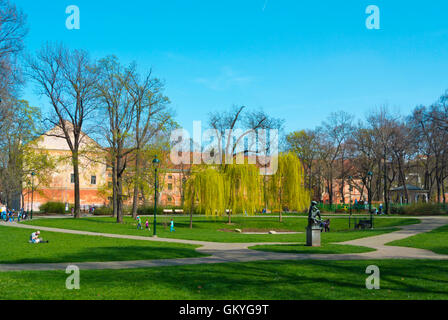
(363, 224)
(178, 211)
(167, 210)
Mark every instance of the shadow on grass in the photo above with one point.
(100, 254)
(277, 280)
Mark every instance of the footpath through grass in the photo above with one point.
(327, 248)
(435, 240)
(79, 248)
(209, 229)
(279, 280)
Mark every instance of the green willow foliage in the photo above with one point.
(205, 191)
(211, 190)
(244, 192)
(286, 187)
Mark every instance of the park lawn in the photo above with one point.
(208, 229)
(82, 248)
(326, 248)
(435, 240)
(261, 280)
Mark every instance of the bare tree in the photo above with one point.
(65, 77)
(336, 131)
(13, 30)
(151, 116)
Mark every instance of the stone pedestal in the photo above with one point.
(313, 236)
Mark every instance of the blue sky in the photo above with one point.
(298, 60)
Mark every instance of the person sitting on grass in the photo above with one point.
(139, 223)
(172, 226)
(34, 238)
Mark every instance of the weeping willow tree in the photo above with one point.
(205, 192)
(286, 187)
(243, 189)
(230, 189)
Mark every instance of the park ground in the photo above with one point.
(212, 261)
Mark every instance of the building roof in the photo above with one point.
(409, 187)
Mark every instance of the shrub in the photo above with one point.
(103, 211)
(53, 207)
(420, 209)
(148, 210)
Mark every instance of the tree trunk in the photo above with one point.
(75, 162)
(114, 188)
(136, 184)
(119, 190)
(386, 195)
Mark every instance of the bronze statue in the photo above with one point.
(313, 214)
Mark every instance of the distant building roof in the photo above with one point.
(409, 187)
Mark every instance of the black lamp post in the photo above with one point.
(32, 193)
(350, 198)
(155, 163)
(370, 174)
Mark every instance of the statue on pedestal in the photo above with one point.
(314, 218)
(314, 227)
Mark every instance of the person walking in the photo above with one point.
(172, 226)
(139, 223)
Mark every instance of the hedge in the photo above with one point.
(53, 207)
(420, 209)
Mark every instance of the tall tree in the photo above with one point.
(65, 77)
(151, 117)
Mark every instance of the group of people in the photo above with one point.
(11, 214)
(380, 211)
(139, 224)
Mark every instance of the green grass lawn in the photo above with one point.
(279, 280)
(76, 248)
(301, 248)
(208, 229)
(435, 240)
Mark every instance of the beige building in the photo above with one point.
(60, 187)
(95, 176)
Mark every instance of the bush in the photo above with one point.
(148, 210)
(53, 207)
(420, 209)
(103, 211)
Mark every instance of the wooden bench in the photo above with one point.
(363, 224)
(167, 210)
(178, 211)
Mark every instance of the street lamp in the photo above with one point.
(32, 193)
(370, 174)
(350, 198)
(155, 163)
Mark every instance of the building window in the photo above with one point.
(170, 177)
(170, 186)
(93, 180)
(72, 178)
(170, 199)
